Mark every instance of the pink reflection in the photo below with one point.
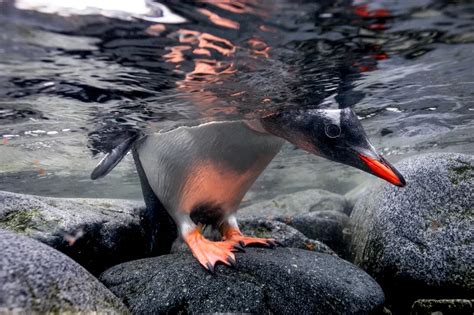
(155, 29)
(207, 41)
(259, 47)
(234, 6)
(176, 54)
(216, 19)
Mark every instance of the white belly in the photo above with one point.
(209, 167)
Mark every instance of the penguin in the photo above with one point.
(199, 174)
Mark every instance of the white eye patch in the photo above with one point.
(333, 115)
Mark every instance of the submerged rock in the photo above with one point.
(329, 227)
(318, 214)
(97, 233)
(418, 241)
(297, 203)
(285, 234)
(36, 279)
(279, 281)
(442, 307)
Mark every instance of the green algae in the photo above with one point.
(460, 173)
(21, 221)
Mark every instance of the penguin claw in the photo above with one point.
(231, 261)
(210, 268)
(245, 241)
(239, 247)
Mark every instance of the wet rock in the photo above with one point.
(259, 227)
(36, 279)
(285, 234)
(292, 204)
(358, 192)
(329, 227)
(417, 241)
(97, 233)
(279, 281)
(442, 307)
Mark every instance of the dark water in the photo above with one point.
(71, 87)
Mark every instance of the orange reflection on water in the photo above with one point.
(218, 20)
(259, 47)
(176, 54)
(364, 11)
(226, 110)
(234, 6)
(155, 29)
(266, 28)
(207, 41)
(201, 51)
(238, 93)
(209, 70)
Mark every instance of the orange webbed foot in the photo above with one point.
(209, 253)
(235, 236)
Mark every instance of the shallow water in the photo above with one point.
(73, 86)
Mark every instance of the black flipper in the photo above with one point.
(155, 221)
(112, 158)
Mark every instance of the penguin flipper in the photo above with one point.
(111, 159)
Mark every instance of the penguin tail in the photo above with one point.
(111, 159)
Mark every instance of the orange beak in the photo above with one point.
(383, 169)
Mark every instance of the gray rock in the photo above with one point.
(418, 241)
(35, 278)
(329, 227)
(292, 204)
(285, 234)
(279, 281)
(443, 307)
(259, 227)
(97, 233)
(358, 192)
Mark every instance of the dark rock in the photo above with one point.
(292, 204)
(442, 307)
(36, 279)
(417, 241)
(97, 233)
(278, 281)
(329, 227)
(259, 227)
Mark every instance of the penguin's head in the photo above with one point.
(335, 134)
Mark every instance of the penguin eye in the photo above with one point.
(332, 130)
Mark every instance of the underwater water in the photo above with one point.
(74, 82)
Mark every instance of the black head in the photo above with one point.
(335, 134)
